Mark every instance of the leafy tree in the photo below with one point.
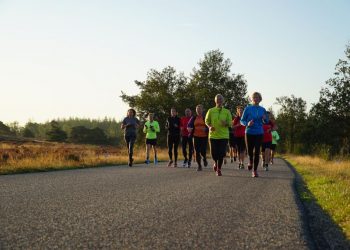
(81, 134)
(332, 112)
(291, 120)
(161, 91)
(213, 76)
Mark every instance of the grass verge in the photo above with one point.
(327, 185)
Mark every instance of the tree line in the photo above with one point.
(74, 130)
(323, 130)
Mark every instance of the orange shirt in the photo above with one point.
(201, 129)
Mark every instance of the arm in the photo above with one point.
(244, 118)
(229, 119)
(156, 127)
(167, 124)
(145, 128)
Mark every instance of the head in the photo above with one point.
(199, 109)
(256, 98)
(131, 113)
(219, 100)
(239, 110)
(173, 112)
(188, 112)
(150, 117)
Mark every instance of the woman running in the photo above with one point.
(151, 129)
(173, 138)
(130, 125)
(266, 145)
(199, 131)
(218, 119)
(239, 133)
(253, 118)
(186, 139)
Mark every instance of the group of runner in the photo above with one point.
(251, 131)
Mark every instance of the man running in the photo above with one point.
(130, 125)
(173, 138)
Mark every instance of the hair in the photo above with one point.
(173, 108)
(199, 106)
(133, 112)
(219, 95)
(257, 94)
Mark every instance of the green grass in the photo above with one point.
(329, 186)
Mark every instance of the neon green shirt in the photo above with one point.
(214, 118)
(275, 137)
(147, 129)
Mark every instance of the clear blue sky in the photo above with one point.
(73, 58)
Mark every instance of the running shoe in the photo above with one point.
(239, 165)
(225, 161)
(231, 160)
(234, 158)
(184, 163)
(266, 167)
(175, 165)
(155, 161)
(189, 164)
(205, 162)
(199, 168)
(147, 161)
(218, 173)
(170, 163)
(242, 166)
(255, 174)
(215, 167)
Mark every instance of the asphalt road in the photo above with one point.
(148, 207)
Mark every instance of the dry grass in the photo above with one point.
(19, 157)
(329, 182)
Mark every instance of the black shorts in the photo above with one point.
(233, 141)
(273, 147)
(152, 142)
(266, 145)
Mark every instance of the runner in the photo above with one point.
(186, 139)
(199, 130)
(253, 118)
(173, 140)
(275, 138)
(130, 125)
(232, 145)
(218, 119)
(266, 145)
(151, 129)
(239, 133)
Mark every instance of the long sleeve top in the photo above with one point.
(255, 113)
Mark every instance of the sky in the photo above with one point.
(61, 59)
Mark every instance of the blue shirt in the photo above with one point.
(256, 114)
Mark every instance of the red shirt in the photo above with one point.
(183, 125)
(240, 130)
(267, 132)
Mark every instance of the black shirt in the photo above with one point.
(170, 125)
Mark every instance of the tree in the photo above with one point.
(56, 133)
(291, 120)
(213, 77)
(161, 91)
(332, 112)
(5, 130)
(81, 134)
